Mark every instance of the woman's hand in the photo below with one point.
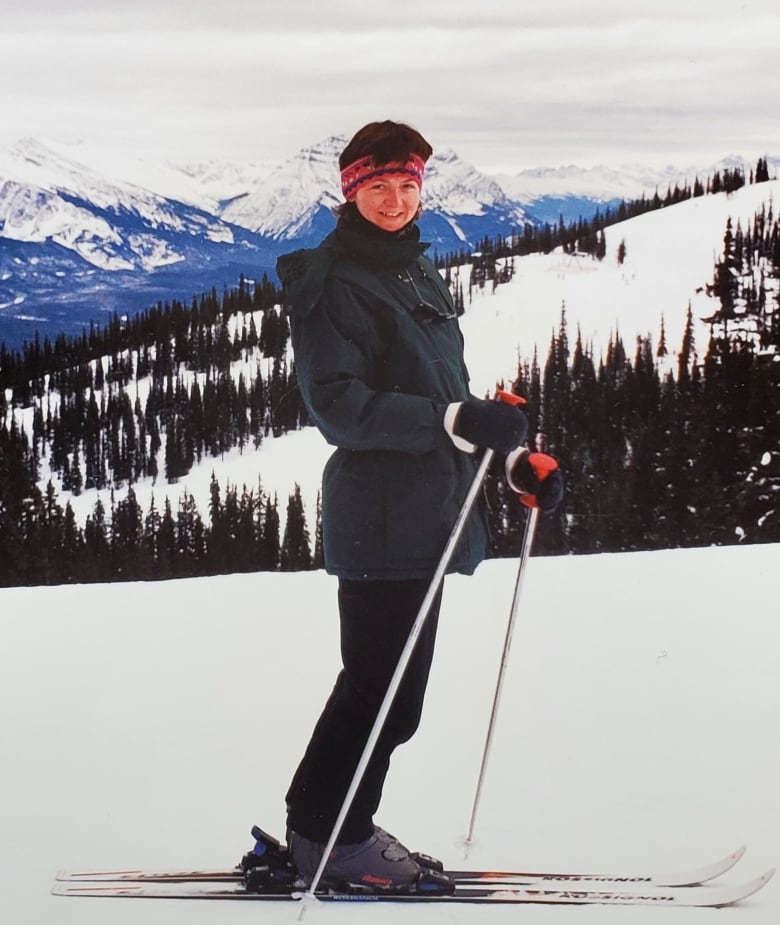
(493, 424)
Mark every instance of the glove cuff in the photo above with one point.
(450, 416)
(511, 460)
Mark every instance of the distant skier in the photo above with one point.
(379, 361)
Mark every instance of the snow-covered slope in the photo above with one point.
(153, 724)
(670, 256)
(78, 244)
(201, 183)
(287, 203)
(113, 225)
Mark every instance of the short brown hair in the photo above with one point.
(385, 141)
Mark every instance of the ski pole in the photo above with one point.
(403, 661)
(525, 549)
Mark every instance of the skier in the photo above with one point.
(379, 361)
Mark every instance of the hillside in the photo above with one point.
(670, 258)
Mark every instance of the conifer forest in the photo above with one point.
(656, 454)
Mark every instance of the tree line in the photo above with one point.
(655, 456)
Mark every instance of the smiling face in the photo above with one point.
(390, 201)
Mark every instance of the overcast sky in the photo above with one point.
(508, 84)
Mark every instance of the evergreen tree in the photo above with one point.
(167, 565)
(686, 355)
(725, 284)
(318, 558)
(126, 536)
(19, 495)
(296, 547)
(270, 544)
(219, 533)
(97, 551)
(190, 537)
(151, 540)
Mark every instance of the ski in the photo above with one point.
(236, 875)
(701, 896)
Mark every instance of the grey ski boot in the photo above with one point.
(380, 864)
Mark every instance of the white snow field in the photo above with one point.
(150, 724)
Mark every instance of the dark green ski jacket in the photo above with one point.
(379, 357)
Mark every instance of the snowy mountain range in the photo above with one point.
(294, 201)
(86, 233)
(78, 244)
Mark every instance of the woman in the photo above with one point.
(379, 361)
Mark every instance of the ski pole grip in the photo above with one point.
(509, 398)
(542, 464)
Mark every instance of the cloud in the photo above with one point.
(505, 86)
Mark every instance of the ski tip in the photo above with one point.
(701, 874)
(749, 889)
(763, 879)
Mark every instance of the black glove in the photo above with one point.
(538, 480)
(493, 424)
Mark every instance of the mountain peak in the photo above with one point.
(293, 200)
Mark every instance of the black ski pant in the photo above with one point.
(376, 618)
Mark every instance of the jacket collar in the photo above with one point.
(360, 240)
(303, 272)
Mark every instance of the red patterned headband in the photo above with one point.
(364, 169)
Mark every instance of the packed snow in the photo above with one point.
(151, 724)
